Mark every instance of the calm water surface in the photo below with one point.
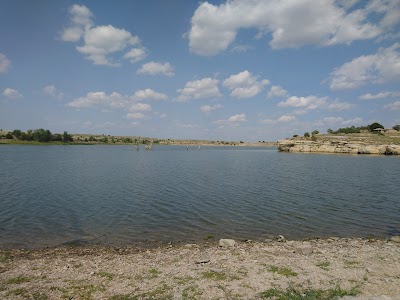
(52, 195)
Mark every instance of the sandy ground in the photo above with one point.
(206, 271)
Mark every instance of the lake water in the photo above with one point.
(113, 195)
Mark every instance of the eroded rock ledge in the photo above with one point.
(292, 145)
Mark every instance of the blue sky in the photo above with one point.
(221, 70)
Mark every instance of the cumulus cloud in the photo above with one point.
(12, 94)
(140, 107)
(378, 68)
(380, 95)
(306, 103)
(281, 119)
(92, 99)
(342, 121)
(244, 85)
(339, 106)
(5, 63)
(393, 106)
(135, 116)
(289, 23)
(156, 68)
(231, 121)
(100, 42)
(277, 91)
(209, 108)
(52, 91)
(149, 94)
(136, 54)
(286, 118)
(199, 89)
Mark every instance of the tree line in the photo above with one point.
(39, 135)
(353, 129)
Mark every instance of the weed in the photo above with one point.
(107, 275)
(308, 294)
(27, 295)
(192, 293)
(215, 275)
(161, 292)
(324, 265)
(209, 237)
(285, 271)
(124, 297)
(83, 292)
(351, 264)
(5, 257)
(17, 280)
(154, 273)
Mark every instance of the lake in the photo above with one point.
(113, 195)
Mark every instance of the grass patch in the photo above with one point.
(307, 294)
(5, 257)
(124, 297)
(215, 275)
(285, 271)
(107, 275)
(82, 292)
(154, 273)
(352, 264)
(17, 280)
(27, 294)
(192, 293)
(324, 265)
(161, 292)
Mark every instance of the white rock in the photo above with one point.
(227, 243)
(395, 239)
(305, 249)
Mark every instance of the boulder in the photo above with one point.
(305, 249)
(395, 239)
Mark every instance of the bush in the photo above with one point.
(307, 134)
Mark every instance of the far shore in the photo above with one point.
(330, 268)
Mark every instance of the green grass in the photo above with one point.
(352, 264)
(5, 257)
(192, 293)
(24, 293)
(285, 271)
(154, 273)
(161, 292)
(215, 275)
(17, 280)
(183, 280)
(107, 275)
(324, 265)
(307, 294)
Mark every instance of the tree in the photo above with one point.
(66, 137)
(16, 133)
(307, 134)
(330, 131)
(396, 127)
(9, 136)
(315, 132)
(375, 125)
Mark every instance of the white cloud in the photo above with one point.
(149, 94)
(290, 23)
(52, 91)
(286, 118)
(341, 121)
(241, 48)
(135, 116)
(12, 94)
(189, 126)
(277, 91)
(198, 89)
(382, 67)
(339, 106)
(244, 85)
(136, 54)
(380, 95)
(393, 106)
(306, 103)
(155, 68)
(5, 63)
(140, 107)
(231, 121)
(209, 108)
(92, 99)
(100, 41)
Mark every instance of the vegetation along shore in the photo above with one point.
(332, 268)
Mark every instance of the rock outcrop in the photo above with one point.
(293, 145)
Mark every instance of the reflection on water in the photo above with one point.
(52, 195)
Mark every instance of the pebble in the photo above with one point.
(216, 270)
(395, 239)
(202, 260)
(305, 249)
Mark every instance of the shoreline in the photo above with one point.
(236, 270)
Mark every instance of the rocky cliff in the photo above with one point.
(293, 145)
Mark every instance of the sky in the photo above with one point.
(250, 70)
